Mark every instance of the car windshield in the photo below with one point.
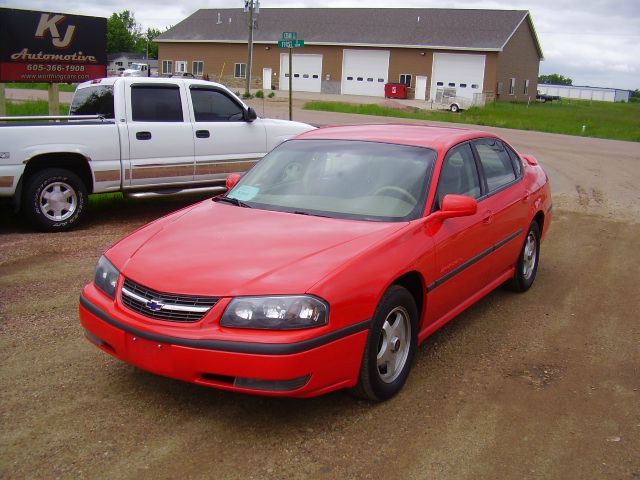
(341, 179)
(136, 66)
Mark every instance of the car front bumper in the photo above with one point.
(297, 369)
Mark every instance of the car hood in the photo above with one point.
(223, 250)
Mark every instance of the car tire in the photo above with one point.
(390, 348)
(527, 264)
(454, 108)
(54, 200)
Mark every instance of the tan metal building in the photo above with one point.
(493, 53)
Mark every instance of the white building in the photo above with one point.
(585, 93)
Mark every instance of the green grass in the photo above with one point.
(64, 87)
(32, 107)
(617, 121)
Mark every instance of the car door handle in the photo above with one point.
(488, 217)
(202, 133)
(143, 135)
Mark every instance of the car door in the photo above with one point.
(461, 244)
(224, 141)
(504, 202)
(160, 140)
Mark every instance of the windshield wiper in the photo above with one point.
(300, 212)
(232, 201)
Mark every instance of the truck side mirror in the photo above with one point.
(250, 115)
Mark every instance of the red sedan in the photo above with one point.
(326, 265)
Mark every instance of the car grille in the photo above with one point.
(165, 306)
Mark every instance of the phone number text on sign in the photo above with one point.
(55, 68)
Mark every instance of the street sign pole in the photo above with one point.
(290, 83)
(290, 40)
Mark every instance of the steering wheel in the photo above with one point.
(291, 172)
(401, 191)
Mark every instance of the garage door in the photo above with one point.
(460, 71)
(307, 72)
(364, 72)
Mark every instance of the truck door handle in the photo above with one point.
(488, 217)
(202, 133)
(143, 135)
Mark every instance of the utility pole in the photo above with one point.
(252, 7)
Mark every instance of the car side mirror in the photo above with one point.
(456, 206)
(232, 180)
(250, 115)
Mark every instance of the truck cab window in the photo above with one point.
(156, 104)
(94, 100)
(215, 106)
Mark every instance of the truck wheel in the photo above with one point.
(54, 200)
(454, 108)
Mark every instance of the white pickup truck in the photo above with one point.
(131, 134)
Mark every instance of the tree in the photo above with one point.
(147, 40)
(123, 33)
(555, 79)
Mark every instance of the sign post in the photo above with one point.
(290, 41)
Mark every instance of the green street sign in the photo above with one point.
(291, 43)
(289, 35)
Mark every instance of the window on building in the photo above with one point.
(500, 88)
(181, 66)
(496, 163)
(198, 68)
(241, 70)
(512, 86)
(155, 104)
(526, 87)
(214, 106)
(405, 79)
(119, 64)
(167, 67)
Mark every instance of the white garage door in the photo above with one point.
(364, 72)
(307, 72)
(461, 71)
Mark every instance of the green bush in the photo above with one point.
(259, 94)
(271, 95)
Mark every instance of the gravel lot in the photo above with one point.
(540, 385)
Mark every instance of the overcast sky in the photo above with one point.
(594, 42)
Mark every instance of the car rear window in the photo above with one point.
(93, 100)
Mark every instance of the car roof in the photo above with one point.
(431, 136)
(150, 80)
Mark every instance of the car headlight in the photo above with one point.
(276, 312)
(106, 278)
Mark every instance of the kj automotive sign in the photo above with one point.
(51, 47)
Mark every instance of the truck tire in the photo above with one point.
(54, 200)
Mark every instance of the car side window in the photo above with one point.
(459, 174)
(215, 106)
(156, 104)
(496, 163)
(517, 161)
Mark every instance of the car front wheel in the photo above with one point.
(54, 199)
(527, 265)
(391, 346)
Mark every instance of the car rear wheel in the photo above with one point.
(527, 265)
(390, 347)
(54, 199)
